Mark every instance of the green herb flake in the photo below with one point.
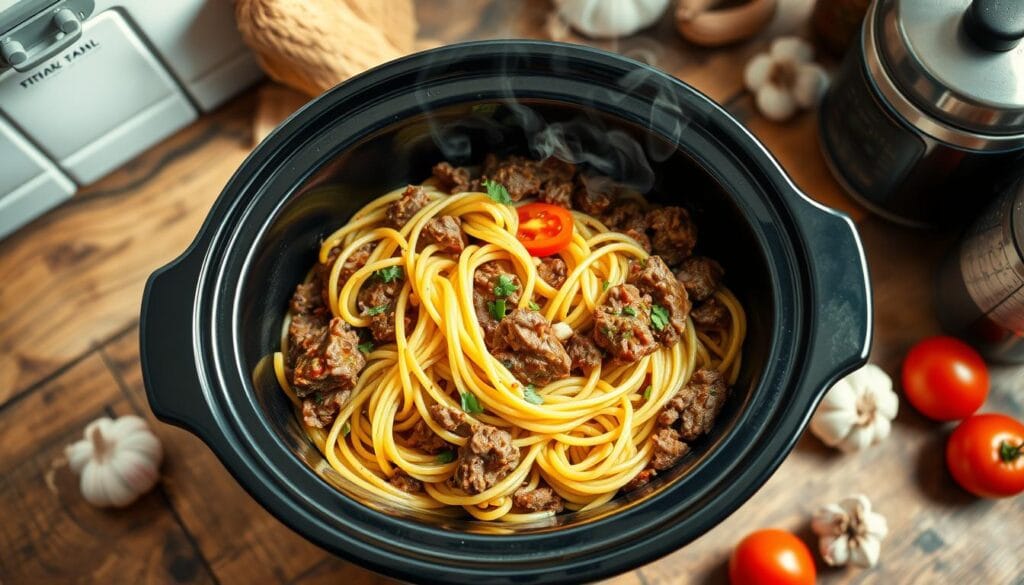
(496, 309)
(534, 306)
(390, 274)
(506, 286)
(497, 192)
(372, 311)
(530, 395)
(470, 405)
(659, 317)
(346, 429)
(607, 285)
(366, 347)
(629, 311)
(647, 393)
(446, 456)
(318, 398)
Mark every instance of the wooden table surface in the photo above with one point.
(69, 303)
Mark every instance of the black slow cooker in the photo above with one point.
(210, 318)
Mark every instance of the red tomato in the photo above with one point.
(544, 229)
(985, 454)
(771, 557)
(945, 378)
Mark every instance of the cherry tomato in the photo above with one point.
(945, 378)
(771, 557)
(985, 454)
(544, 229)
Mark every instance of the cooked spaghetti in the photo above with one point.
(437, 362)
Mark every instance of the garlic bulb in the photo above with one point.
(606, 19)
(785, 78)
(857, 411)
(850, 532)
(118, 460)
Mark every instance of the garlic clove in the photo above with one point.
(774, 103)
(887, 404)
(755, 76)
(810, 84)
(835, 550)
(829, 519)
(854, 442)
(791, 49)
(865, 552)
(832, 426)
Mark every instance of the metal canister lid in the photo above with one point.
(958, 60)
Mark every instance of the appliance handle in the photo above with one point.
(169, 347)
(840, 335)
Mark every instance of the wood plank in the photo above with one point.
(49, 534)
(243, 542)
(75, 276)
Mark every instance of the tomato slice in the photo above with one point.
(544, 229)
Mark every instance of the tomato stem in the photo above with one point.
(1008, 453)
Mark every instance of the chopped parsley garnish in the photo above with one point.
(647, 393)
(497, 192)
(470, 404)
(496, 309)
(390, 273)
(446, 456)
(366, 347)
(530, 395)
(376, 310)
(629, 311)
(659, 317)
(534, 306)
(607, 285)
(346, 429)
(505, 287)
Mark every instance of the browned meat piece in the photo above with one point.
(557, 192)
(377, 300)
(306, 334)
(307, 299)
(711, 314)
(356, 260)
(584, 354)
(451, 420)
(622, 325)
(556, 169)
(640, 480)
(696, 405)
(487, 276)
(426, 440)
(451, 179)
(668, 449)
(332, 364)
(641, 238)
(700, 276)
(675, 234)
(553, 271)
(320, 411)
(401, 210)
(594, 194)
(652, 277)
(626, 215)
(517, 174)
(525, 344)
(446, 232)
(406, 482)
(542, 499)
(486, 458)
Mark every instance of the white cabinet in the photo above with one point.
(29, 183)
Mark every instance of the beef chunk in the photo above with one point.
(306, 299)
(583, 352)
(700, 276)
(640, 480)
(425, 439)
(451, 419)
(641, 238)
(356, 260)
(306, 334)
(517, 174)
(377, 299)
(594, 194)
(622, 325)
(652, 277)
(486, 458)
(541, 499)
(487, 276)
(446, 232)
(406, 482)
(674, 234)
(668, 449)
(696, 405)
(557, 193)
(525, 343)
(327, 359)
(402, 209)
(320, 411)
(451, 179)
(711, 314)
(553, 271)
(626, 215)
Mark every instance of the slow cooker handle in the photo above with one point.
(840, 335)
(168, 347)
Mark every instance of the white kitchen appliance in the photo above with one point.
(86, 85)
